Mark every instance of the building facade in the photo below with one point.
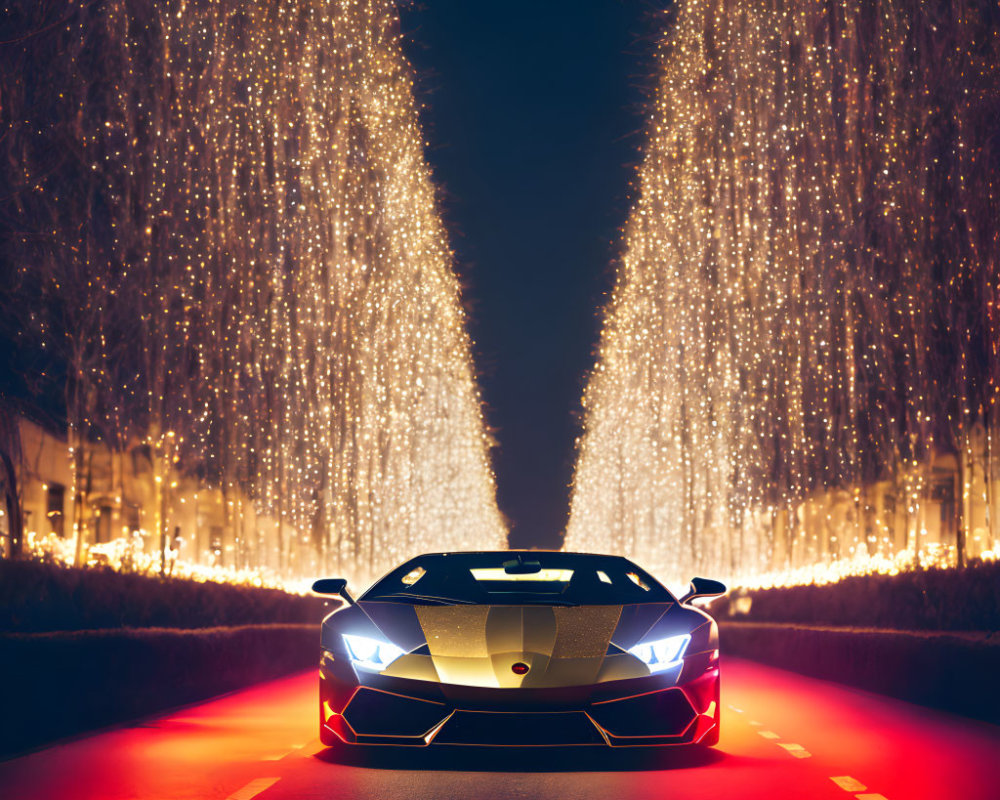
(126, 508)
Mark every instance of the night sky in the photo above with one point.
(533, 114)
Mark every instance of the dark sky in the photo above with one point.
(533, 112)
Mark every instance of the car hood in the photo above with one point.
(478, 645)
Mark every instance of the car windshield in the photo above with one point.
(518, 578)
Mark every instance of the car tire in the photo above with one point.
(711, 739)
(327, 737)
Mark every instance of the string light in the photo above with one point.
(805, 317)
(294, 332)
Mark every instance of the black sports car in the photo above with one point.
(519, 648)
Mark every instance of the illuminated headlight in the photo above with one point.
(663, 653)
(370, 653)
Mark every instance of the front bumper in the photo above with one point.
(666, 709)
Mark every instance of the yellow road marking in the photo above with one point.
(769, 734)
(871, 797)
(252, 789)
(849, 784)
(796, 750)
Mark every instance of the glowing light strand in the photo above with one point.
(295, 332)
(804, 323)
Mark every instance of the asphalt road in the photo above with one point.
(784, 737)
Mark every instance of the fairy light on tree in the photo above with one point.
(299, 339)
(805, 314)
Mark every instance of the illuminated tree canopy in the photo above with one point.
(807, 297)
(274, 304)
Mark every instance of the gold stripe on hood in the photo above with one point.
(584, 631)
(455, 631)
(477, 645)
(480, 631)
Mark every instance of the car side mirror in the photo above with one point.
(704, 587)
(333, 586)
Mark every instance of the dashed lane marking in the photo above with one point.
(796, 750)
(848, 784)
(769, 734)
(871, 797)
(285, 755)
(252, 789)
(737, 710)
(754, 722)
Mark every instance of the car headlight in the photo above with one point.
(370, 653)
(663, 653)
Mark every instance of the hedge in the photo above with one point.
(56, 684)
(37, 597)
(934, 599)
(952, 671)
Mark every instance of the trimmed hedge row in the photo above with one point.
(935, 599)
(56, 684)
(952, 671)
(36, 597)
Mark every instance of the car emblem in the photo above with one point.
(520, 668)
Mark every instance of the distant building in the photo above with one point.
(117, 501)
(942, 508)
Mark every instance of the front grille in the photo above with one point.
(507, 728)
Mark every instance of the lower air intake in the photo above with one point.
(500, 728)
(666, 713)
(374, 713)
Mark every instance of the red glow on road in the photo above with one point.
(910, 751)
(791, 737)
(203, 751)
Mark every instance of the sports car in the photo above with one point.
(519, 648)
